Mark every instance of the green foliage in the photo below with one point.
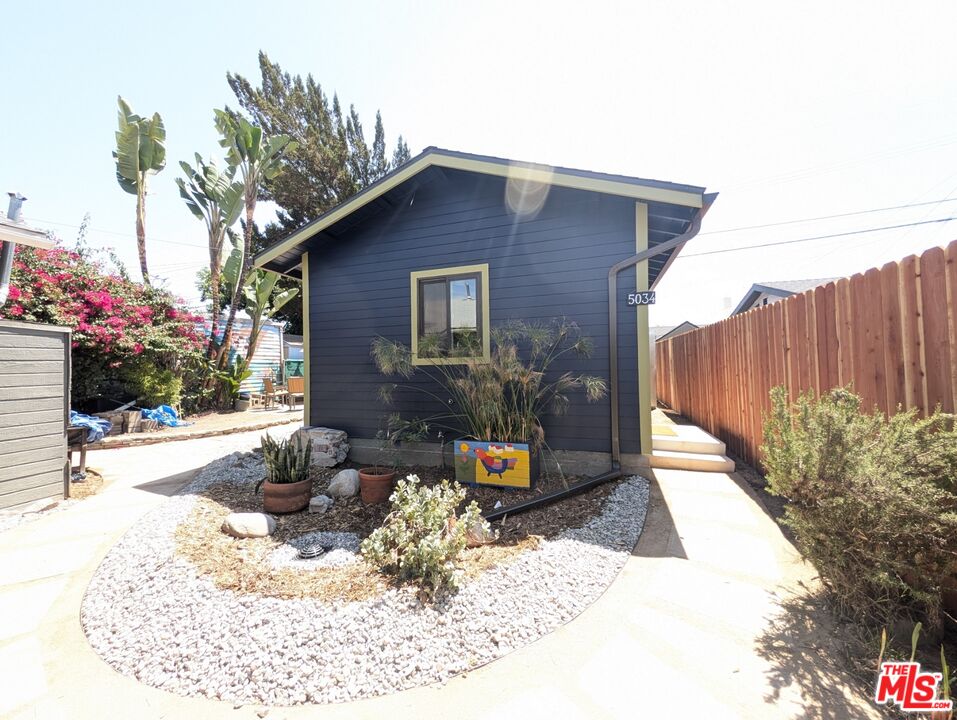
(140, 148)
(140, 152)
(154, 385)
(287, 461)
(422, 538)
(262, 303)
(120, 328)
(871, 500)
(233, 376)
(505, 398)
(331, 162)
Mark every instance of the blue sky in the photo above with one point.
(788, 110)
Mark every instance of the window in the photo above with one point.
(450, 314)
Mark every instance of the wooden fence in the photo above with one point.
(891, 332)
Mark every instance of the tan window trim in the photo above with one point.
(415, 277)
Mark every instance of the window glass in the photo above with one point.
(463, 299)
(449, 322)
(434, 313)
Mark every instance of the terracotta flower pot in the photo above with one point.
(375, 485)
(286, 497)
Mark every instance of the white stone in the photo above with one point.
(320, 504)
(248, 525)
(344, 484)
(175, 630)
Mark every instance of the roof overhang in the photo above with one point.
(653, 191)
(755, 292)
(21, 234)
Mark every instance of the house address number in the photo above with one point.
(642, 298)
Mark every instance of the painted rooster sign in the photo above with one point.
(499, 464)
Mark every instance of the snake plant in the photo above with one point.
(287, 461)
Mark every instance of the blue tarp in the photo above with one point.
(98, 427)
(164, 415)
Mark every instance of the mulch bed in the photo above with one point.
(241, 564)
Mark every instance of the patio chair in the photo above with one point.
(271, 394)
(297, 390)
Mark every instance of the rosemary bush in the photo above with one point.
(502, 399)
(287, 461)
(421, 538)
(872, 501)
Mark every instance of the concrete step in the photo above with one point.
(704, 462)
(687, 439)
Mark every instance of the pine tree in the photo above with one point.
(332, 162)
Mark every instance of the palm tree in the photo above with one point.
(214, 197)
(140, 152)
(261, 304)
(258, 159)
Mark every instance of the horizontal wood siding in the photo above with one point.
(34, 410)
(890, 332)
(552, 265)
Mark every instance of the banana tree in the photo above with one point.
(140, 152)
(214, 197)
(262, 304)
(258, 159)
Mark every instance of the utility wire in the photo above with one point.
(114, 232)
(818, 237)
(829, 217)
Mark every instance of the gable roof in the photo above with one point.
(285, 255)
(663, 332)
(778, 288)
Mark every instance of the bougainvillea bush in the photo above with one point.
(128, 338)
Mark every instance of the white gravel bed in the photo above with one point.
(151, 616)
(343, 550)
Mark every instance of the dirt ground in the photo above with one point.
(91, 485)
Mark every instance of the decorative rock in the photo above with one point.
(344, 484)
(320, 503)
(480, 534)
(249, 525)
(329, 447)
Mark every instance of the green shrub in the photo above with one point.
(505, 397)
(871, 500)
(153, 385)
(287, 461)
(421, 539)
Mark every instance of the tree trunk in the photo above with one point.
(141, 233)
(214, 274)
(253, 340)
(250, 201)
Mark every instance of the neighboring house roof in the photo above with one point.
(778, 288)
(663, 332)
(671, 206)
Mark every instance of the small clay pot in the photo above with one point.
(375, 487)
(286, 497)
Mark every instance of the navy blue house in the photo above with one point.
(467, 241)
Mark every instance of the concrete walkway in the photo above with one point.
(691, 628)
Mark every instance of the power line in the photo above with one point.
(829, 217)
(114, 232)
(818, 237)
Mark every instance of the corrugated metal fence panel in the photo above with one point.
(890, 332)
(34, 411)
(267, 358)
